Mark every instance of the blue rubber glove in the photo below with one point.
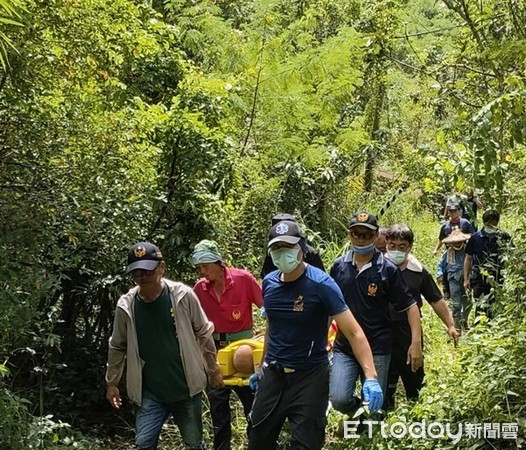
(253, 381)
(372, 394)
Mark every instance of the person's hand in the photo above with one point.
(440, 280)
(453, 334)
(113, 396)
(414, 356)
(215, 380)
(254, 379)
(372, 394)
(467, 284)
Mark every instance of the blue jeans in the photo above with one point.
(151, 415)
(345, 373)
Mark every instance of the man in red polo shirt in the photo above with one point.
(226, 295)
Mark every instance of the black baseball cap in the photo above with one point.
(281, 217)
(285, 231)
(143, 255)
(364, 219)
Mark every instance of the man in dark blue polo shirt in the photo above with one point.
(294, 381)
(370, 282)
(484, 263)
(455, 221)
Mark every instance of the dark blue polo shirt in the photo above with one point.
(486, 252)
(447, 227)
(368, 294)
(298, 317)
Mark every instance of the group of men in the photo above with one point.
(169, 335)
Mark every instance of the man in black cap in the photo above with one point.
(294, 381)
(163, 336)
(311, 256)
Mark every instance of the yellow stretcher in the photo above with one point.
(225, 358)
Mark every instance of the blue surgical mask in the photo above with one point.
(397, 256)
(285, 259)
(363, 249)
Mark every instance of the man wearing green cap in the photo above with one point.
(226, 295)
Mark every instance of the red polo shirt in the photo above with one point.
(233, 312)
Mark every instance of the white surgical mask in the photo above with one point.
(489, 229)
(397, 256)
(285, 259)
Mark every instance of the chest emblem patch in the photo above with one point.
(372, 289)
(298, 304)
(236, 314)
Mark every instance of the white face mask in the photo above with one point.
(397, 256)
(489, 229)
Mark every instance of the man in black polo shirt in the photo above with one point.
(400, 240)
(369, 283)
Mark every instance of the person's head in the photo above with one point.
(453, 211)
(381, 242)
(400, 240)
(145, 264)
(281, 217)
(490, 219)
(363, 230)
(286, 245)
(208, 261)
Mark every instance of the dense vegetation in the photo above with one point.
(179, 120)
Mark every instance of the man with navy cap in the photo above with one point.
(311, 256)
(163, 337)
(370, 283)
(293, 383)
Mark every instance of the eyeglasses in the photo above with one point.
(364, 236)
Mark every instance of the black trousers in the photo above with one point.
(483, 289)
(398, 367)
(302, 397)
(219, 400)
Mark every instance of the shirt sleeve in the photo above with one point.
(256, 295)
(332, 297)
(430, 290)
(441, 266)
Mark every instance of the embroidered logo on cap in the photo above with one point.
(140, 251)
(363, 217)
(282, 228)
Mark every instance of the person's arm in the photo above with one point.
(468, 261)
(442, 311)
(116, 359)
(348, 325)
(437, 247)
(414, 353)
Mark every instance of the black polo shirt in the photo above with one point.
(420, 283)
(368, 294)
